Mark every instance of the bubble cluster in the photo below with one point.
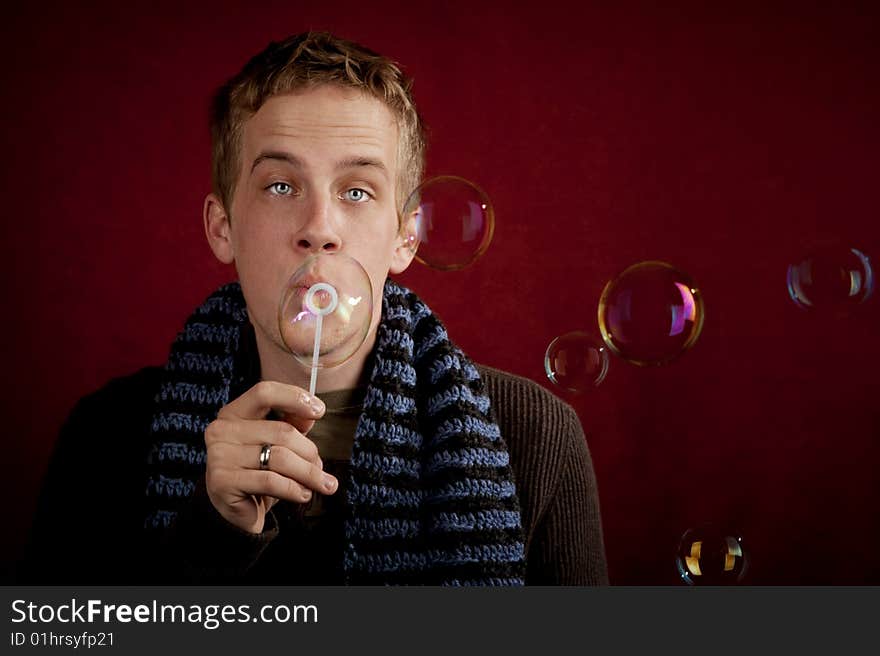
(454, 222)
(650, 314)
(711, 555)
(576, 362)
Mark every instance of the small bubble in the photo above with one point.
(711, 555)
(830, 277)
(576, 362)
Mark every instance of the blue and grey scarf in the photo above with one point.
(431, 498)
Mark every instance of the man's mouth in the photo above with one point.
(304, 285)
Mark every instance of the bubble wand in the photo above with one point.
(319, 313)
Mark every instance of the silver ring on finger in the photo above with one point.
(265, 452)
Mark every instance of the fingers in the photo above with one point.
(308, 472)
(231, 484)
(258, 432)
(296, 404)
(302, 423)
(240, 490)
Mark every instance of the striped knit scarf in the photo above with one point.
(430, 500)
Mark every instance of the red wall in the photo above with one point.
(727, 140)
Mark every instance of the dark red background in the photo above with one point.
(728, 141)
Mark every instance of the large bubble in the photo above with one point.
(325, 311)
(455, 222)
(651, 313)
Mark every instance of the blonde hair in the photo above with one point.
(300, 62)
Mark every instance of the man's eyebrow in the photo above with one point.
(285, 157)
(358, 162)
(348, 163)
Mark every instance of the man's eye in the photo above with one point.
(280, 188)
(356, 195)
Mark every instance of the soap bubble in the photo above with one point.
(576, 362)
(650, 314)
(711, 555)
(455, 222)
(831, 277)
(329, 297)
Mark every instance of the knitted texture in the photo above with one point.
(430, 497)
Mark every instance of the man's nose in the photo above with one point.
(319, 232)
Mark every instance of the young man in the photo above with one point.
(411, 465)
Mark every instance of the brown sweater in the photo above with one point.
(88, 528)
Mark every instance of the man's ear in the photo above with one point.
(407, 244)
(217, 229)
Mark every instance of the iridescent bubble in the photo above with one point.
(650, 314)
(576, 361)
(831, 277)
(711, 555)
(455, 222)
(325, 310)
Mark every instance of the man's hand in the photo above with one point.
(241, 491)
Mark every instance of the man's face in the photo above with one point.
(318, 173)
